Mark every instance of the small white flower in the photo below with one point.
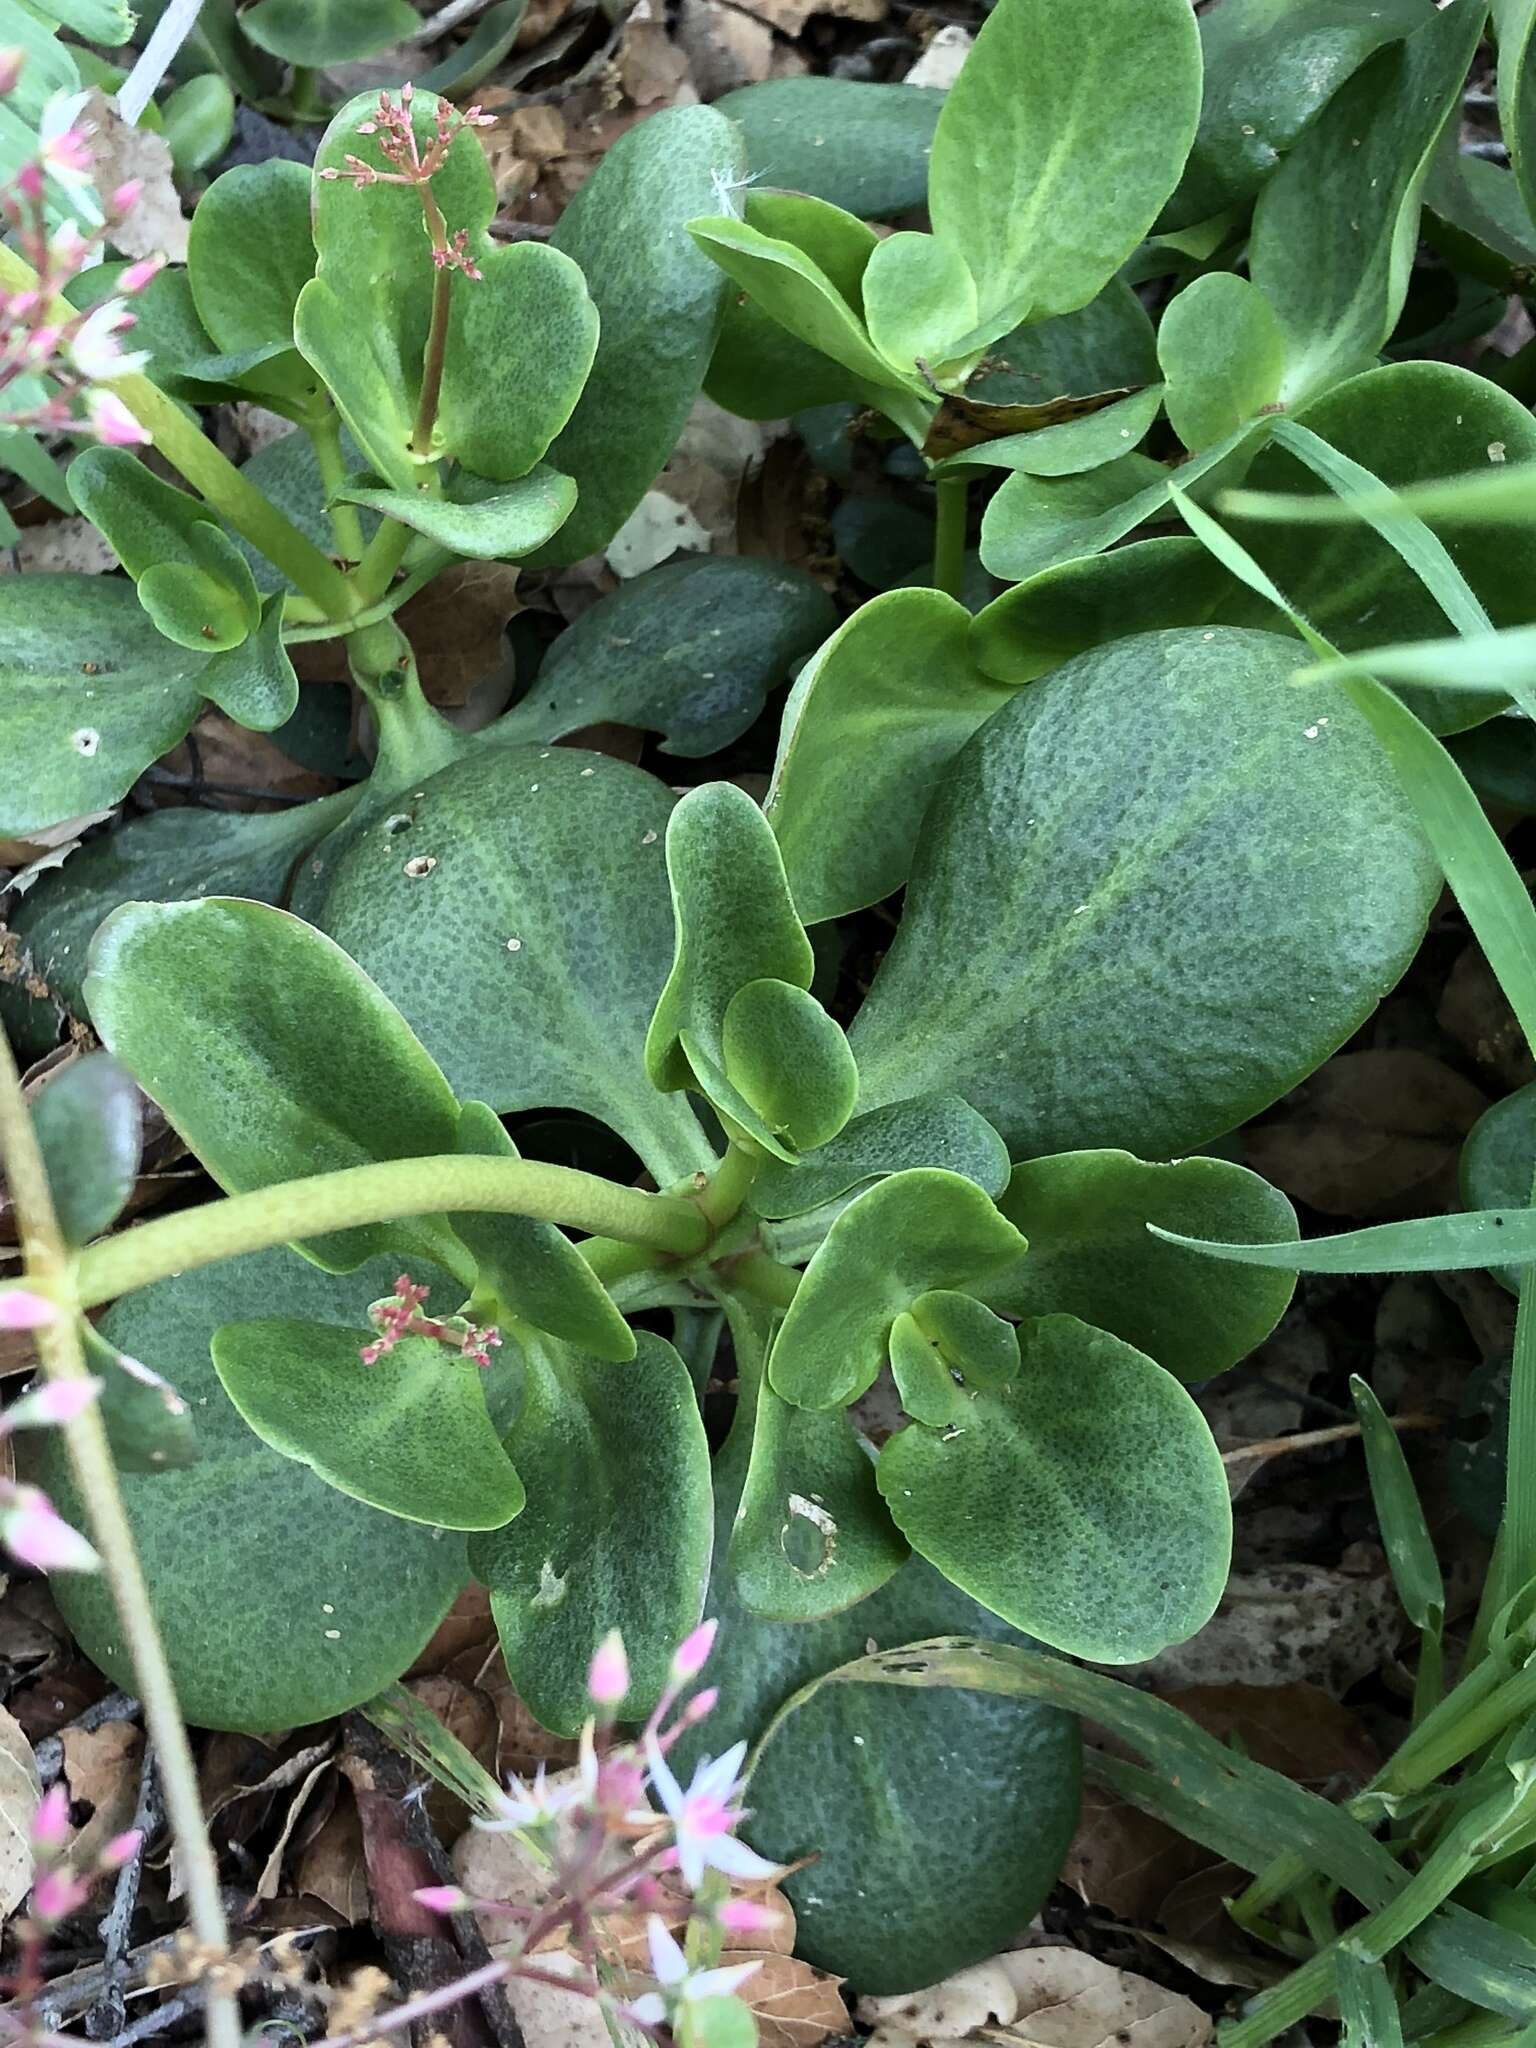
(94, 348)
(704, 1817)
(531, 1805)
(669, 1966)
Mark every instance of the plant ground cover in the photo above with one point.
(764, 831)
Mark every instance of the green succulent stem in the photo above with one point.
(764, 1278)
(346, 522)
(445, 1185)
(381, 558)
(437, 333)
(414, 740)
(47, 1267)
(727, 1187)
(213, 476)
(953, 497)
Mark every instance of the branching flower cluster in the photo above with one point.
(78, 354)
(394, 126)
(57, 1892)
(608, 1849)
(398, 1315)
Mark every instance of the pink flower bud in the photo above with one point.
(113, 423)
(57, 1401)
(21, 1309)
(11, 63)
(692, 1654)
(127, 196)
(702, 1704)
(29, 181)
(120, 1850)
(50, 1824)
(55, 1896)
(68, 152)
(608, 1675)
(441, 1898)
(33, 1532)
(137, 275)
(744, 1916)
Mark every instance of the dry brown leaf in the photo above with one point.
(48, 848)
(1201, 1934)
(794, 2004)
(1475, 1011)
(102, 1766)
(20, 1791)
(1042, 1998)
(790, 16)
(724, 46)
(467, 1629)
(271, 1874)
(331, 1867)
(650, 67)
(1287, 1622)
(249, 770)
(457, 626)
(1370, 1134)
(1124, 1860)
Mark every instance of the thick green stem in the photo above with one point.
(90, 1458)
(727, 1187)
(437, 333)
(445, 1185)
(213, 476)
(381, 558)
(346, 522)
(952, 493)
(414, 740)
(763, 1278)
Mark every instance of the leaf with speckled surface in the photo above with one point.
(530, 954)
(92, 692)
(272, 1054)
(617, 1531)
(410, 1434)
(1091, 1254)
(658, 300)
(349, 1596)
(1085, 1501)
(1096, 953)
(913, 1232)
(890, 1901)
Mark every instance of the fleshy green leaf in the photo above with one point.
(93, 694)
(1270, 65)
(1091, 1255)
(690, 650)
(1498, 1162)
(918, 1230)
(162, 857)
(250, 253)
(616, 1533)
(1407, 423)
(789, 1062)
(1081, 957)
(349, 1596)
(1223, 354)
(520, 337)
(1335, 228)
(410, 1435)
(478, 517)
(734, 923)
(195, 606)
(1080, 159)
(1085, 1501)
(944, 1350)
(932, 1130)
(272, 1054)
(317, 32)
(658, 299)
(890, 1900)
(1034, 523)
(1514, 27)
(1067, 448)
(254, 681)
(860, 146)
(532, 1269)
(518, 899)
(89, 1128)
(811, 1535)
(895, 688)
(1138, 588)
(919, 300)
(199, 117)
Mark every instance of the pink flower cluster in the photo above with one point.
(56, 1890)
(79, 353)
(399, 1315)
(609, 1847)
(394, 125)
(31, 1528)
